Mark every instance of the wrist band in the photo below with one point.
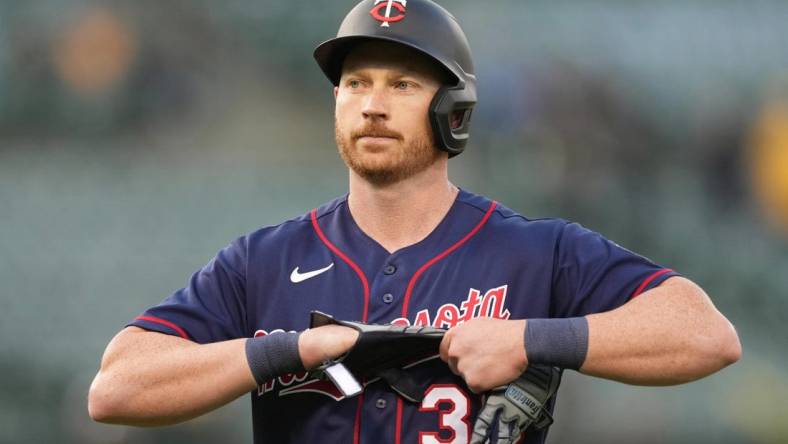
(273, 355)
(558, 342)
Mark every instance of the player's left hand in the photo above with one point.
(486, 352)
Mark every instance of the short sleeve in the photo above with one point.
(593, 274)
(211, 307)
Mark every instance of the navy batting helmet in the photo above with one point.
(428, 28)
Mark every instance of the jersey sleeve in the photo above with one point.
(211, 307)
(593, 274)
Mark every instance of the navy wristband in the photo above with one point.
(273, 355)
(559, 342)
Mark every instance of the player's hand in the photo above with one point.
(485, 352)
(317, 345)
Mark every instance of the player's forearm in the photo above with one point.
(149, 378)
(669, 335)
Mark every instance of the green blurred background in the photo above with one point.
(137, 138)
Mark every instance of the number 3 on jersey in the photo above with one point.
(453, 417)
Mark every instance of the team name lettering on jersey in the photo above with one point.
(491, 305)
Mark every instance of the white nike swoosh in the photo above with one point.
(296, 277)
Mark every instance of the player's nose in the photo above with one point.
(375, 105)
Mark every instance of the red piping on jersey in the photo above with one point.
(648, 281)
(342, 256)
(165, 323)
(398, 429)
(357, 425)
(412, 284)
(432, 261)
(357, 269)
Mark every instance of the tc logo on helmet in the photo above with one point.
(386, 17)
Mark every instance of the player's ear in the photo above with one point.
(336, 91)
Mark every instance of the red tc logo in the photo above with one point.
(386, 16)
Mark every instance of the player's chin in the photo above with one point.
(383, 156)
(378, 170)
(376, 167)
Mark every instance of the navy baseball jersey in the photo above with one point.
(483, 259)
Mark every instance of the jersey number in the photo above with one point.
(453, 415)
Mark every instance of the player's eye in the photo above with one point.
(402, 85)
(354, 83)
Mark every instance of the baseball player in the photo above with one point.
(407, 247)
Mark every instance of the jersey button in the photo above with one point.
(389, 269)
(388, 298)
(380, 403)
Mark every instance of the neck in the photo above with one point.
(403, 213)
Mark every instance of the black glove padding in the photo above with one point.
(513, 408)
(383, 350)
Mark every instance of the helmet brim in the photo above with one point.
(330, 55)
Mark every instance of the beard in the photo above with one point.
(392, 166)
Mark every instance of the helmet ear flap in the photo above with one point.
(450, 117)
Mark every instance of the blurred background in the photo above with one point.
(137, 138)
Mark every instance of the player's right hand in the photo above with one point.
(320, 344)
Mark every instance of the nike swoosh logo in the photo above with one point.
(296, 277)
